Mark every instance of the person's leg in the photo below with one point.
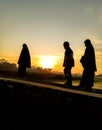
(90, 79)
(21, 71)
(68, 76)
(87, 79)
(83, 81)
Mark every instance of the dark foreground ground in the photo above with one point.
(23, 106)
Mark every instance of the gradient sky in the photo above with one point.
(45, 24)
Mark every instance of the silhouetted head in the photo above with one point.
(66, 44)
(24, 45)
(87, 42)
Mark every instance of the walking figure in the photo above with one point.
(68, 63)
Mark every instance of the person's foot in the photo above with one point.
(66, 84)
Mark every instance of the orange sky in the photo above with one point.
(45, 24)
(54, 62)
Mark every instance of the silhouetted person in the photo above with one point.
(24, 61)
(89, 64)
(68, 63)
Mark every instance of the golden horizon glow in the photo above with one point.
(54, 62)
(47, 61)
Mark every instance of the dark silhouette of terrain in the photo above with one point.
(24, 106)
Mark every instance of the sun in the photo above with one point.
(47, 61)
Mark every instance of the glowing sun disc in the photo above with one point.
(47, 61)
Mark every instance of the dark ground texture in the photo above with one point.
(31, 107)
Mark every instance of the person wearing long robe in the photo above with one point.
(24, 61)
(88, 62)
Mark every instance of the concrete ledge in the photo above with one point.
(69, 90)
(48, 106)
